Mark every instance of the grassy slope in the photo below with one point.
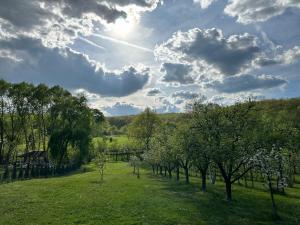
(123, 199)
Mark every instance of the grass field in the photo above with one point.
(81, 198)
(116, 142)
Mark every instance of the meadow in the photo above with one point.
(121, 198)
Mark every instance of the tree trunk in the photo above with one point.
(203, 179)
(252, 179)
(186, 173)
(245, 177)
(274, 210)
(228, 190)
(160, 170)
(170, 171)
(177, 173)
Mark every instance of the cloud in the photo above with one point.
(59, 22)
(177, 72)
(65, 67)
(288, 57)
(154, 92)
(166, 107)
(179, 102)
(228, 55)
(252, 11)
(204, 3)
(122, 109)
(243, 83)
(185, 95)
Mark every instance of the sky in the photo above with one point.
(125, 55)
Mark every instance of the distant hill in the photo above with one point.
(290, 107)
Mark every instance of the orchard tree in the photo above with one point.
(143, 127)
(136, 163)
(162, 152)
(185, 144)
(228, 132)
(267, 160)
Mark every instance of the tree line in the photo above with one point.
(42, 118)
(247, 141)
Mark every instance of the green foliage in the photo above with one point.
(41, 118)
(143, 128)
(71, 126)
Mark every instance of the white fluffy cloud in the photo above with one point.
(251, 11)
(228, 55)
(204, 3)
(246, 82)
(288, 57)
(65, 67)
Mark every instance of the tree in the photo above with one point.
(100, 161)
(4, 87)
(71, 127)
(228, 132)
(136, 163)
(185, 144)
(201, 158)
(204, 146)
(162, 151)
(143, 128)
(267, 160)
(42, 97)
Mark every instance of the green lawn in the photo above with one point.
(121, 198)
(117, 141)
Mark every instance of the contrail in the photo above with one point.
(91, 43)
(122, 42)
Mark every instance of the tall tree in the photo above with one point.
(4, 87)
(72, 128)
(143, 127)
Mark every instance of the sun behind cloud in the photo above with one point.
(122, 28)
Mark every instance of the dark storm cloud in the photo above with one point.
(65, 67)
(246, 82)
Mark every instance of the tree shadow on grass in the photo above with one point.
(248, 206)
